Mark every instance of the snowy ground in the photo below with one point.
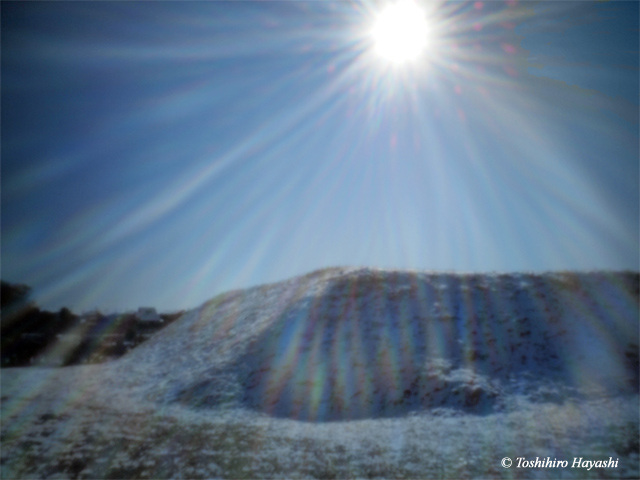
(351, 373)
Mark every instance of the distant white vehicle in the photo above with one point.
(148, 315)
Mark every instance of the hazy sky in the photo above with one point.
(160, 153)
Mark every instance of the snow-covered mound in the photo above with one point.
(447, 376)
(360, 343)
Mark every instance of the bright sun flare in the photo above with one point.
(400, 32)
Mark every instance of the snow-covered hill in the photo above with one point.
(344, 343)
(341, 352)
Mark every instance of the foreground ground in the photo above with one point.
(76, 431)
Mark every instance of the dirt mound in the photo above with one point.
(362, 343)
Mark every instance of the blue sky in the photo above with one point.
(159, 153)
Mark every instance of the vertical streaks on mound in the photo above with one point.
(369, 343)
(365, 348)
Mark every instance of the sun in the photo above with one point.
(400, 32)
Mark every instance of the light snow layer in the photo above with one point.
(351, 372)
